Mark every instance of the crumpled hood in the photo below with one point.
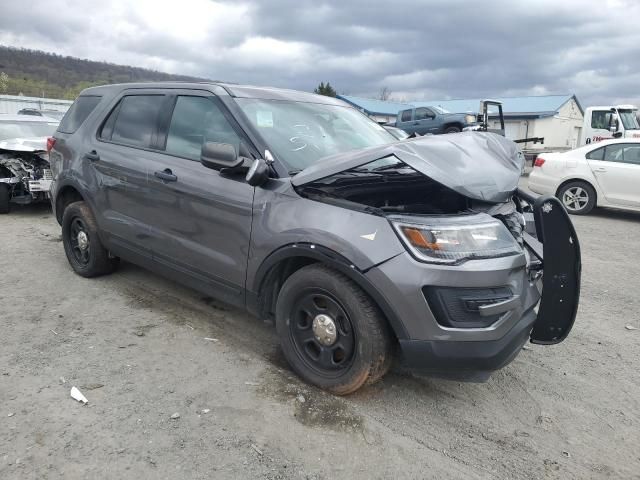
(479, 165)
(31, 144)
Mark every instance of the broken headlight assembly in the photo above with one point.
(452, 241)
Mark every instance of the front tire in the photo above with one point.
(452, 129)
(82, 244)
(578, 197)
(5, 197)
(331, 332)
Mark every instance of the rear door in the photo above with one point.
(616, 168)
(201, 218)
(121, 153)
(405, 121)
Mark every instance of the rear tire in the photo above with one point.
(317, 300)
(577, 197)
(5, 196)
(82, 244)
(452, 129)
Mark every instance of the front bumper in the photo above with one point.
(456, 358)
(433, 345)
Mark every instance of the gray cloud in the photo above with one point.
(419, 49)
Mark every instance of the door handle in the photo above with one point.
(416, 123)
(166, 175)
(92, 156)
(600, 169)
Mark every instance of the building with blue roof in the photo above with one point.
(556, 118)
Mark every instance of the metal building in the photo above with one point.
(556, 118)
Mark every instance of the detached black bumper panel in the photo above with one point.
(561, 270)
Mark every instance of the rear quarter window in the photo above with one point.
(78, 113)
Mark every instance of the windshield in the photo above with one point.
(300, 133)
(628, 119)
(9, 130)
(440, 110)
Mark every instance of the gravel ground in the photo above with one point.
(142, 349)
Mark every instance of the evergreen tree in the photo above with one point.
(326, 90)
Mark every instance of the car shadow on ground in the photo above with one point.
(614, 214)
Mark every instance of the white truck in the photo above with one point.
(613, 121)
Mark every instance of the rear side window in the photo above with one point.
(614, 153)
(78, 113)
(597, 154)
(406, 116)
(134, 121)
(197, 120)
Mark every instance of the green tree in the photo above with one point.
(4, 82)
(326, 90)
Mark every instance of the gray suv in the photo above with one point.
(299, 208)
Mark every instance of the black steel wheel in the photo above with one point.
(321, 332)
(79, 239)
(85, 252)
(332, 333)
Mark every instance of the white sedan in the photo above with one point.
(603, 174)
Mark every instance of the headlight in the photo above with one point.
(453, 241)
(470, 119)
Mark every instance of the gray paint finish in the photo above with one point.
(214, 232)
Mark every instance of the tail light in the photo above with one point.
(50, 143)
(539, 162)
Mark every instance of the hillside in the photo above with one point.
(36, 73)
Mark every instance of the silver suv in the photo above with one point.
(300, 208)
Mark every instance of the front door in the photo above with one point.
(425, 121)
(202, 218)
(616, 168)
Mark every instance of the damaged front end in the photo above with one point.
(25, 171)
(452, 199)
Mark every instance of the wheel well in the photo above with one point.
(452, 124)
(67, 196)
(266, 293)
(273, 281)
(595, 192)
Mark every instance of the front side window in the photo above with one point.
(600, 119)
(406, 116)
(300, 133)
(134, 121)
(197, 120)
(631, 154)
(423, 113)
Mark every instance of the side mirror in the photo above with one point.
(258, 173)
(219, 155)
(614, 123)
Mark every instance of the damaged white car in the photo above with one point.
(25, 175)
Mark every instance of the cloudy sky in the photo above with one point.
(419, 49)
